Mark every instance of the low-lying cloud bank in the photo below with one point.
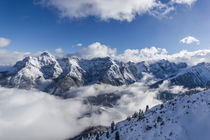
(36, 115)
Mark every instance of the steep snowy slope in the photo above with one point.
(164, 69)
(72, 76)
(184, 118)
(196, 76)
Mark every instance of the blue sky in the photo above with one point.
(35, 27)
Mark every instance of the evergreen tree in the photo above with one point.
(117, 136)
(135, 115)
(112, 126)
(161, 106)
(97, 137)
(128, 118)
(141, 114)
(147, 108)
(107, 134)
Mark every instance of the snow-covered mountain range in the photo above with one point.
(58, 76)
(54, 76)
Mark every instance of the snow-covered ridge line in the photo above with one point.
(59, 75)
(181, 118)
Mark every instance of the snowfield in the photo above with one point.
(183, 118)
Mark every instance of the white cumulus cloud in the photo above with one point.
(190, 40)
(189, 2)
(112, 9)
(96, 50)
(145, 54)
(10, 58)
(100, 50)
(79, 45)
(59, 50)
(4, 42)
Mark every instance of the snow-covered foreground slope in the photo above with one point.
(183, 118)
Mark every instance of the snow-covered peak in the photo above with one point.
(43, 59)
(46, 63)
(46, 53)
(33, 72)
(46, 59)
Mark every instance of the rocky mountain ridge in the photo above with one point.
(58, 75)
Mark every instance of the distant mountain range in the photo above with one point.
(56, 76)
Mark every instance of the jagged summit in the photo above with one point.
(32, 72)
(46, 53)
